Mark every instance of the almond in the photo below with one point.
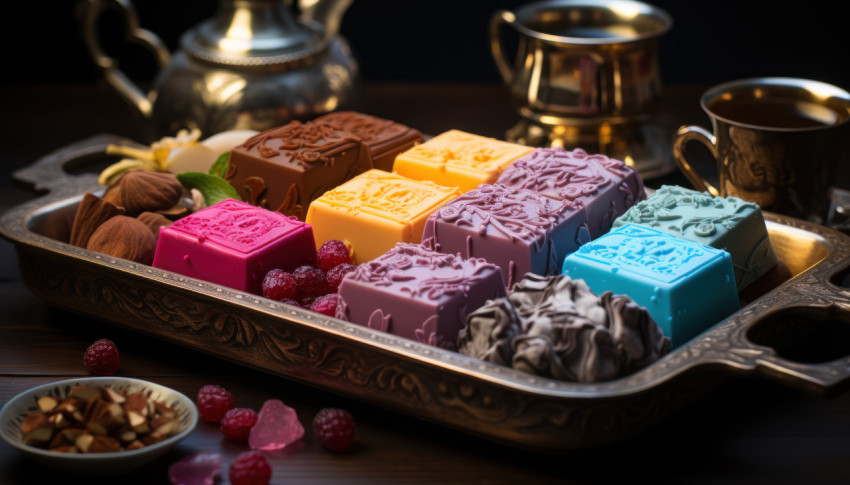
(104, 444)
(138, 191)
(84, 393)
(47, 403)
(91, 213)
(154, 221)
(124, 237)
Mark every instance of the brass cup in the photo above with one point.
(585, 73)
(778, 142)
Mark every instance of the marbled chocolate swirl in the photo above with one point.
(556, 327)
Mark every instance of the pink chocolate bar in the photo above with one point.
(234, 244)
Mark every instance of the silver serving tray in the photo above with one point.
(430, 383)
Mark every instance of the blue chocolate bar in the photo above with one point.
(686, 286)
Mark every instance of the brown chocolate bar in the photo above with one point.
(384, 138)
(285, 168)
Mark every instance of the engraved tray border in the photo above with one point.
(377, 368)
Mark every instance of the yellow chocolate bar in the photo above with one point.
(375, 210)
(457, 158)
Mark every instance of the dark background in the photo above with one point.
(447, 40)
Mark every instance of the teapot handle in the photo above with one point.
(91, 11)
(496, 47)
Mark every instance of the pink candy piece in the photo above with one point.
(196, 469)
(234, 244)
(277, 426)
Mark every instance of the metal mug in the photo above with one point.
(781, 143)
(582, 70)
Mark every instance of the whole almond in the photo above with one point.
(154, 221)
(124, 237)
(91, 213)
(138, 191)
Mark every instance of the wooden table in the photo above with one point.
(746, 431)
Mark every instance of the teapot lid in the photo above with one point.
(254, 34)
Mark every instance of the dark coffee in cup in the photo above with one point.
(776, 112)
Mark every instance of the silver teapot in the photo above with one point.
(253, 66)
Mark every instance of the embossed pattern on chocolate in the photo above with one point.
(726, 223)
(417, 293)
(375, 210)
(384, 138)
(285, 168)
(234, 244)
(518, 230)
(459, 159)
(686, 286)
(556, 327)
(606, 186)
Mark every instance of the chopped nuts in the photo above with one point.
(47, 403)
(94, 419)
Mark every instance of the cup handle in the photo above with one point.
(695, 133)
(90, 12)
(496, 47)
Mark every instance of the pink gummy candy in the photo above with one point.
(277, 426)
(196, 469)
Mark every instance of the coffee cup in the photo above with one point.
(781, 143)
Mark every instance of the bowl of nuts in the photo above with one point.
(97, 425)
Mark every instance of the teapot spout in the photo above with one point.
(326, 12)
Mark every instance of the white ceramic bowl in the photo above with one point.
(14, 412)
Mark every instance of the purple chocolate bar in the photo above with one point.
(516, 229)
(417, 293)
(234, 244)
(607, 187)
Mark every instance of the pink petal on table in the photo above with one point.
(277, 426)
(196, 469)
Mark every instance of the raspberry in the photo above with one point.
(326, 304)
(278, 285)
(250, 468)
(309, 281)
(213, 402)
(101, 358)
(335, 275)
(331, 254)
(307, 301)
(290, 301)
(237, 423)
(334, 428)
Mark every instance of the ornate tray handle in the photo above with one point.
(51, 172)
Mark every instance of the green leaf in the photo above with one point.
(219, 167)
(212, 187)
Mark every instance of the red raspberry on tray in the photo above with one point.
(237, 423)
(331, 254)
(309, 281)
(213, 402)
(335, 429)
(250, 468)
(102, 357)
(278, 285)
(335, 275)
(326, 304)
